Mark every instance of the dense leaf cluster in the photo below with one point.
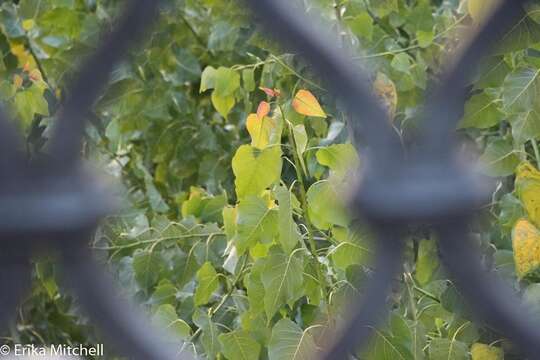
(234, 163)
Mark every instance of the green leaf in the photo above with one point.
(45, 272)
(324, 206)
(239, 345)
(521, 90)
(340, 158)
(255, 324)
(166, 317)
(385, 7)
(494, 71)
(207, 79)
(248, 78)
(148, 267)
(223, 104)
(255, 170)
(402, 63)
(533, 11)
(346, 254)
(425, 38)
(289, 235)
(499, 158)
(165, 293)
(385, 346)
(255, 288)
(427, 261)
(226, 82)
(210, 333)
(511, 211)
(521, 36)
(201, 205)
(223, 36)
(361, 25)
(481, 111)
(445, 349)
(282, 278)
(10, 23)
(30, 102)
(229, 221)
(301, 141)
(152, 193)
(525, 126)
(400, 329)
(394, 343)
(289, 342)
(186, 66)
(207, 278)
(256, 222)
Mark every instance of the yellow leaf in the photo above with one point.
(485, 352)
(261, 130)
(25, 59)
(223, 104)
(528, 189)
(28, 24)
(526, 245)
(306, 104)
(386, 91)
(263, 109)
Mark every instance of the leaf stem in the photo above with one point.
(425, 293)
(303, 202)
(295, 73)
(215, 309)
(407, 277)
(192, 30)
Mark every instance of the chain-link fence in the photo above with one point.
(54, 205)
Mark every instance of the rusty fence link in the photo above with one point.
(54, 205)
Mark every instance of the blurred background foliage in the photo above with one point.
(234, 234)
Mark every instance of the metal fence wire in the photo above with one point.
(54, 205)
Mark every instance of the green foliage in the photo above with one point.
(235, 162)
(239, 345)
(289, 341)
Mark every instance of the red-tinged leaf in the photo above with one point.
(35, 75)
(271, 92)
(306, 104)
(263, 109)
(268, 91)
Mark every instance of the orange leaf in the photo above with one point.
(385, 89)
(306, 104)
(263, 109)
